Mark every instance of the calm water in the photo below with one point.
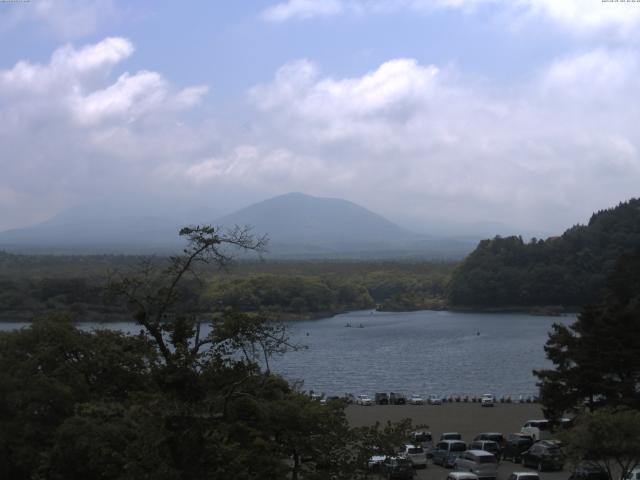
(417, 352)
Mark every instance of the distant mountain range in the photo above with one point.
(296, 224)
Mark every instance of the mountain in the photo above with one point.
(305, 223)
(105, 227)
(569, 270)
(297, 225)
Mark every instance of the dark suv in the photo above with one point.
(397, 399)
(543, 455)
(589, 471)
(382, 399)
(515, 446)
(397, 467)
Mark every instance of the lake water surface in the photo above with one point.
(417, 352)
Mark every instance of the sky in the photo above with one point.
(430, 112)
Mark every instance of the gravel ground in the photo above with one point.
(468, 419)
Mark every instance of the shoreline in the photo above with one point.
(468, 419)
(21, 317)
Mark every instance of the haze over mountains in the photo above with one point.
(296, 224)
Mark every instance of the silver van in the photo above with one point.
(483, 464)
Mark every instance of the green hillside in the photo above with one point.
(569, 270)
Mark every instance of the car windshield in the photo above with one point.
(528, 477)
(487, 459)
(415, 450)
(490, 447)
(555, 451)
(458, 447)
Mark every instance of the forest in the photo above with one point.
(33, 286)
(569, 270)
(555, 274)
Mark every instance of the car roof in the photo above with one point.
(450, 441)
(480, 453)
(526, 473)
(462, 475)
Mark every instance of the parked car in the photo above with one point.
(416, 400)
(423, 438)
(632, 475)
(493, 436)
(396, 398)
(588, 471)
(488, 446)
(375, 462)
(349, 398)
(480, 462)
(416, 454)
(487, 400)
(446, 452)
(397, 468)
(363, 400)
(435, 399)
(462, 476)
(515, 446)
(450, 436)
(543, 455)
(537, 429)
(382, 398)
(524, 476)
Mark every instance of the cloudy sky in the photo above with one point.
(523, 112)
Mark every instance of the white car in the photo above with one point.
(416, 400)
(462, 476)
(363, 400)
(435, 399)
(537, 429)
(633, 474)
(487, 400)
(524, 476)
(416, 454)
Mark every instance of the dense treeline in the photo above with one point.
(569, 270)
(32, 286)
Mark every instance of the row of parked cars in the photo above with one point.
(395, 398)
(479, 459)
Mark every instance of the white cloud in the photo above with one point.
(66, 19)
(71, 130)
(302, 9)
(471, 151)
(577, 16)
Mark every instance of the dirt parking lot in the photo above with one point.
(469, 419)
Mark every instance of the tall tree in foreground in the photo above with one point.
(596, 358)
(176, 402)
(597, 374)
(610, 437)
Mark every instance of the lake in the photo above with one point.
(416, 352)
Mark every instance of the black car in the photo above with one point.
(543, 455)
(515, 446)
(398, 468)
(589, 471)
(397, 399)
(382, 399)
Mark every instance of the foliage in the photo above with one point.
(610, 437)
(170, 403)
(569, 270)
(596, 358)
(36, 285)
